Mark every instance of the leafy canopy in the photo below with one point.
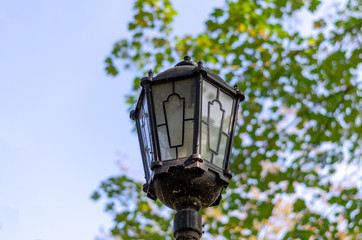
(300, 124)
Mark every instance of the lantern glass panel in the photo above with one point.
(209, 93)
(215, 120)
(227, 103)
(166, 152)
(160, 94)
(217, 109)
(219, 158)
(205, 153)
(186, 150)
(145, 130)
(174, 110)
(186, 89)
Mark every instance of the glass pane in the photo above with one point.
(146, 136)
(186, 150)
(227, 104)
(219, 158)
(174, 113)
(209, 93)
(185, 89)
(167, 153)
(215, 119)
(160, 94)
(204, 146)
(217, 108)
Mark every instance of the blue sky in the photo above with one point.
(63, 122)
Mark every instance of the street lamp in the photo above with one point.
(185, 118)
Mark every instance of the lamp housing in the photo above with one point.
(185, 119)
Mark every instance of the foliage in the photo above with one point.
(300, 124)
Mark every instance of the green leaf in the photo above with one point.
(299, 205)
(95, 195)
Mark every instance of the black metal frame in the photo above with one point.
(200, 74)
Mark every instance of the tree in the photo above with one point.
(300, 124)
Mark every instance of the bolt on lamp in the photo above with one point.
(185, 119)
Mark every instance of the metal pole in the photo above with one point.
(187, 225)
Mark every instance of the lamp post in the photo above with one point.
(185, 118)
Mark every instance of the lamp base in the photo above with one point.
(187, 225)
